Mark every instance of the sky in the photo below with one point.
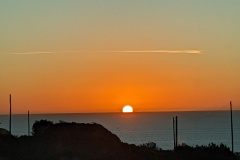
(82, 56)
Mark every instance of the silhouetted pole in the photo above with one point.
(10, 116)
(28, 124)
(176, 131)
(231, 124)
(174, 141)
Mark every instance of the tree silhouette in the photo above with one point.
(40, 126)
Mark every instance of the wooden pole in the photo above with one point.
(10, 116)
(28, 124)
(231, 125)
(174, 138)
(176, 131)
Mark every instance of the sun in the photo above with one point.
(127, 109)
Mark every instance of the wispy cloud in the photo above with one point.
(116, 51)
(164, 51)
(30, 53)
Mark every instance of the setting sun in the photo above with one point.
(127, 109)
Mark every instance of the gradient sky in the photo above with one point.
(59, 56)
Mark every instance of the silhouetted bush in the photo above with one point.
(211, 151)
(150, 146)
(40, 126)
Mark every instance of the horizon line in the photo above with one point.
(110, 112)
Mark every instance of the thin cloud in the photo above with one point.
(114, 51)
(31, 53)
(165, 51)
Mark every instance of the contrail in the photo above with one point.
(115, 51)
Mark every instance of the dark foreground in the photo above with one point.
(74, 141)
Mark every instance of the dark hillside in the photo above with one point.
(74, 141)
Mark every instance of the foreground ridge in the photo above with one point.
(73, 141)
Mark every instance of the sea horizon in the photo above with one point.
(120, 112)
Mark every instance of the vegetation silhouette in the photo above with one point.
(73, 141)
(40, 126)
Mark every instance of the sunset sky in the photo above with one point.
(59, 56)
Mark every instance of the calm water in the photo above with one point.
(195, 128)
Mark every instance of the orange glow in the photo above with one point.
(93, 86)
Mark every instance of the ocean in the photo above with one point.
(194, 128)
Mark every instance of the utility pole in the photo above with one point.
(176, 131)
(10, 116)
(28, 124)
(231, 125)
(174, 136)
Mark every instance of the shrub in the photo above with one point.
(150, 146)
(40, 126)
